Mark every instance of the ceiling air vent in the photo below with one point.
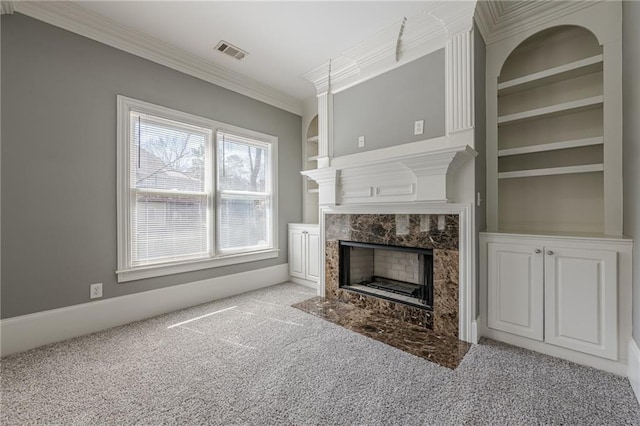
(231, 50)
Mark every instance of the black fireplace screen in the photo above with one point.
(401, 274)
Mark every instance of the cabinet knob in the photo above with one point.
(549, 252)
(538, 251)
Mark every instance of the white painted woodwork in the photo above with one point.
(553, 146)
(310, 159)
(552, 110)
(313, 254)
(395, 177)
(30, 331)
(423, 33)
(460, 106)
(296, 253)
(553, 87)
(500, 20)
(552, 75)
(580, 300)
(552, 171)
(585, 282)
(304, 253)
(515, 286)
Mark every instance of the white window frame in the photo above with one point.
(125, 270)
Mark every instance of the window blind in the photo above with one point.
(244, 197)
(170, 190)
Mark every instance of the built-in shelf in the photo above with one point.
(552, 75)
(313, 139)
(313, 158)
(577, 143)
(313, 191)
(552, 110)
(587, 168)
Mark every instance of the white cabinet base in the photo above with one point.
(616, 367)
(586, 289)
(304, 254)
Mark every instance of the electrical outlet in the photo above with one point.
(360, 141)
(479, 200)
(95, 291)
(418, 127)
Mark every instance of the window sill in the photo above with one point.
(151, 271)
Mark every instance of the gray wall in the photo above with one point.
(384, 108)
(631, 142)
(59, 161)
(480, 135)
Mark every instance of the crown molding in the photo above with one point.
(6, 7)
(76, 19)
(423, 33)
(498, 20)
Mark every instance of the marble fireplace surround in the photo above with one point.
(376, 223)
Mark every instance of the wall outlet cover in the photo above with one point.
(95, 291)
(418, 127)
(360, 141)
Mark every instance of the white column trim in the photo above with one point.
(459, 72)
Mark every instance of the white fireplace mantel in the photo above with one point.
(415, 177)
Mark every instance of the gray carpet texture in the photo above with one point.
(254, 360)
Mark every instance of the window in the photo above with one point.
(192, 193)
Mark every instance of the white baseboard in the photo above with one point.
(616, 367)
(307, 283)
(634, 367)
(475, 337)
(25, 332)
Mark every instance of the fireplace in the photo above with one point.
(399, 274)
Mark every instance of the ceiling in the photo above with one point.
(284, 39)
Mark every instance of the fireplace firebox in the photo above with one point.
(399, 274)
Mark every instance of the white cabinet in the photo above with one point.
(515, 289)
(561, 291)
(580, 290)
(304, 253)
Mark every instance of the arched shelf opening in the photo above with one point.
(550, 134)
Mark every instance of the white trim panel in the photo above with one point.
(25, 332)
(633, 368)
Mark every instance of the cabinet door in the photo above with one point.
(580, 300)
(296, 253)
(515, 289)
(313, 256)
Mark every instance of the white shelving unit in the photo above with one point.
(555, 269)
(310, 153)
(548, 138)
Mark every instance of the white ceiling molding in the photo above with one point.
(91, 25)
(498, 19)
(423, 33)
(6, 8)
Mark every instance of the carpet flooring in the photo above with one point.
(253, 359)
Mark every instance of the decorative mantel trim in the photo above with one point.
(401, 178)
(327, 179)
(76, 19)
